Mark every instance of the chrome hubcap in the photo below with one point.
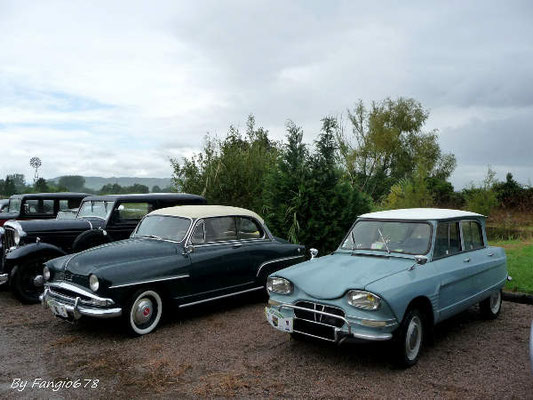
(413, 339)
(495, 302)
(143, 311)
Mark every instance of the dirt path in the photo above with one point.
(228, 350)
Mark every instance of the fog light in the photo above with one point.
(373, 324)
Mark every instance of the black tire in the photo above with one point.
(410, 338)
(490, 307)
(89, 239)
(143, 312)
(22, 280)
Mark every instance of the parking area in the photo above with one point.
(228, 350)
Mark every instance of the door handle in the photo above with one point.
(467, 260)
(490, 254)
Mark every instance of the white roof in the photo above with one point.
(205, 211)
(421, 214)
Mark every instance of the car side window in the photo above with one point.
(248, 229)
(472, 235)
(220, 229)
(69, 204)
(447, 239)
(39, 207)
(198, 236)
(130, 212)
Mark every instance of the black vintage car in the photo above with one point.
(40, 205)
(100, 219)
(179, 256)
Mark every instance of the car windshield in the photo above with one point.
(67, 214)
(98, 209)
(389, 236)
(163, 227)
(14, 206)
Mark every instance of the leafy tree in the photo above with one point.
(482, 199)
(137, 188)
(230, 171)
(156, 189)
(41, 186)
(510, 194)
(73, 183)
(386, 144)
(10, 187)
(410, 193)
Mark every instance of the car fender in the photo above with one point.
(33, 250)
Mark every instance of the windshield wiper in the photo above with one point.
(384, 241)
(353, 241)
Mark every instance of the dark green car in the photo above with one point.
(179, 256)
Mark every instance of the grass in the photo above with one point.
(519, 263)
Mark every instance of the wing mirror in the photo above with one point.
(421, 260)
(314, 253)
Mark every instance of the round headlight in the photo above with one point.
(46, 273)
(279, 285)
(16, 237)
(363, 300)
(93, 282)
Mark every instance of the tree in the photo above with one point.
(41, 186)
(9, 186)
(410, 193)
(386, 144)
(74, 183)
(482, 199)
(156, 189)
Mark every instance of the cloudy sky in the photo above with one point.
(116, 88)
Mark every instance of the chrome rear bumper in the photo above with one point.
(76, 307)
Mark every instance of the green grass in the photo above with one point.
(519, 263)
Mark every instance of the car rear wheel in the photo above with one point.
(27, 281)
(490, 307)
(410, 338)
(144, 312)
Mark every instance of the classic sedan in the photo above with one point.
(178, 256)
(396, 274)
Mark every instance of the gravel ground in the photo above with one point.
(229, 350)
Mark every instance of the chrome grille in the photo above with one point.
(68, 296)
(312, 316)
(8, 238)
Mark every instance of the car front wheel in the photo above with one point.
(144, 312)
(490, 307)
(27, 281)
(410, 339)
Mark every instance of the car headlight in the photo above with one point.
(363, 300)
(279, 285)
(46, 273)
(16, 237)
(93, 282)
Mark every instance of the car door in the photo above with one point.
(218, 259)
(452, 267)
(125, 217)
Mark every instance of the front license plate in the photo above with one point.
(278, 321)
(58, 309)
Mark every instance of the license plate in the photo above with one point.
(278, 321)
(58, 309)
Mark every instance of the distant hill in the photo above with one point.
(96, 182)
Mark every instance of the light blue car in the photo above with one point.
(396, 274)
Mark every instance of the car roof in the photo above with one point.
(206, 211)
(421, 214)
(60, 195)
(148, 197)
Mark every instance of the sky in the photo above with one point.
(117, 88)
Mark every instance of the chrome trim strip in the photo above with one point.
(220, 297)
(278, 260)
(315, 336)
(150, 281)
(3, 278)
(72, 288)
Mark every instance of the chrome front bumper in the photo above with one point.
(3, 278)
(81, 303)
(348, 332)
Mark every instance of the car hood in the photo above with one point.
(331, 276)
(57, 225)
(118, 253)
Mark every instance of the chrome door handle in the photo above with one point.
(490, 254)
(467, 260)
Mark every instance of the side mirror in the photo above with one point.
(421, 260)
(314, 253)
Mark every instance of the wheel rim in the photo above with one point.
(413, 338)
(145, 312)
(30, 285)
(495, 302)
